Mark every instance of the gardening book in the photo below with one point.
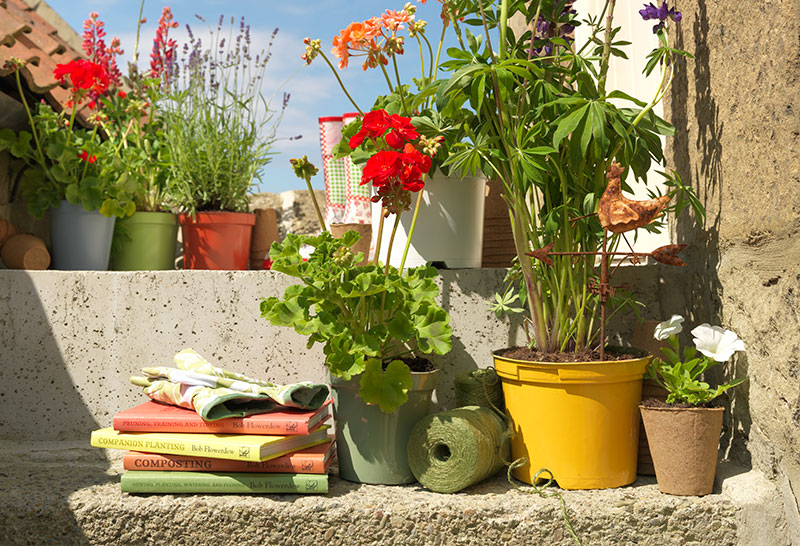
(156, 417)
(314, 460)
(153, 481)
(241, 447)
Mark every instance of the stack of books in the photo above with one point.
(173, 450)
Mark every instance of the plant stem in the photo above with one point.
(438, 52)
(601, 82)
(341, 84)
(316, 205)
(391, 242)
(400, 86)
(411, 229)
(135, 59)
(34, 132)
(380, 236)
(503, 28)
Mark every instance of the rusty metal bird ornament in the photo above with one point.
(619, 214)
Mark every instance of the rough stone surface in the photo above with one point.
(67, 493)
(71, 340)
(295, 210)
(736, 109)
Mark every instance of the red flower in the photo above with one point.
(382, 167)
(84, 156)
(374, 125)
(122, 94)
(163, 54)
(83, 76)
(402, 131)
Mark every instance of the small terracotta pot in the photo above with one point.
(365, 230)
(265, 232)
(217, 240)
(24, 251)
(684, 444)
(7, 230)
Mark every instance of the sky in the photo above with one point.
(314, 90)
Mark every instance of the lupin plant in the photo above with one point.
(542, 119)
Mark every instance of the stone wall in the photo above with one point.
(736, 109)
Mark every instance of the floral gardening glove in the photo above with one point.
(215, 393)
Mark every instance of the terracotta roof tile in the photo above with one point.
(27, 36)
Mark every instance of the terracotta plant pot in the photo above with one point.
(265, 232)
(684, 444)
(24, 251)
(365, 230)
(7, 230)
(217, 240)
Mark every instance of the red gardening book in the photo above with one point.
(312, 460)
(157, 417)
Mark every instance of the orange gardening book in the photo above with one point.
(314, 460)
(157, 417)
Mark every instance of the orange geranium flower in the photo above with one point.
(393, 20)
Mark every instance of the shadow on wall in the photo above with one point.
(700, 165)
(39, 403)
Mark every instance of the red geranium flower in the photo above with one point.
(402, 131)
(83, 155)
(83, 76)
(374, 125)
(382, 167)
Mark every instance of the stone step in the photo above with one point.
(67, 493)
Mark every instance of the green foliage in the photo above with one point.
(219, 129)
(545, 125)
(364, 316)
(682, 377)
(53, 150)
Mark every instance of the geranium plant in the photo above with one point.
(369, 317)
(682, 375)
(542, 120)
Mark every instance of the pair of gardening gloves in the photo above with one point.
(215, 393)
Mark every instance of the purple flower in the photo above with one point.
(660, 13)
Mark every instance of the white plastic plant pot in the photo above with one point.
(449, 228)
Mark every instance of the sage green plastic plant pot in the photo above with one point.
(81, 239)
(372, 446)
(147, 242)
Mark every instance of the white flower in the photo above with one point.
(716, 342)
(669, 327)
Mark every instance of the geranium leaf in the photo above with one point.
(387, 389)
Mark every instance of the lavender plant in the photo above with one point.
(220, 129)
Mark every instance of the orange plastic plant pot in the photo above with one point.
(217, 240)
(579, 421)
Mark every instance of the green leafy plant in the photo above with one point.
(219, 129)
(683, 376)
(364, 316)
(536, 114)
(67, 161)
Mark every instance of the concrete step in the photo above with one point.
(67, 493)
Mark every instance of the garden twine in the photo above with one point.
(479, 388)
(452, 450)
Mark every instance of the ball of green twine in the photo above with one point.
(479, 388)
(454, 449)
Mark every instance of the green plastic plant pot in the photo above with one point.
(372, 446)
(217, 240)
(81, 239)
(147, 243)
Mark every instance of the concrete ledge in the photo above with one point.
(67, 493)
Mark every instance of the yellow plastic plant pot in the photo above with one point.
(579, 420)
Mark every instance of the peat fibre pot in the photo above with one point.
(578, 420)
(217, 240)
(149, 243)
(372, 446)
(81, 239)
(684, 444)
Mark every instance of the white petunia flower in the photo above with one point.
(716, 342)
(669, 327)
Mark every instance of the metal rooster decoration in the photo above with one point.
(618, 214)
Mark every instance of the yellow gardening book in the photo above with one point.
(240, 447)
